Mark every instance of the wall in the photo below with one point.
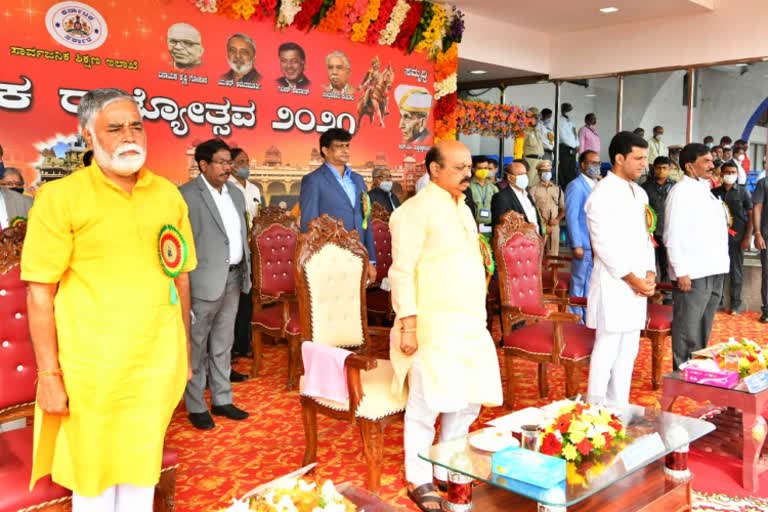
(663, 42)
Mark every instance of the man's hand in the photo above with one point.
(684, 284)
(578, 253)
(759, 242)
(51, 396)
(408, 343)
(745, 243)
(371, 273)
(189, 371)
(642, 287)
(554, 222)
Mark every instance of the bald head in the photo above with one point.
(449, 164)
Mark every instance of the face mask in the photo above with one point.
(730, 179)
(593, 171)
(710, 145)
(546, 177)
(741, 158)
(20, 190)
(386, 186)
(243, 172)
(521, 181)
(481, 174)
(658, 137)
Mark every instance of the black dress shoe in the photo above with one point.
(764, 318)
(229, 411)
(201, 420)
(237, 376)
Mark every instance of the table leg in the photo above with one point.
(667, 401)
(754, 430)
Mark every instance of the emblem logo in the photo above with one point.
(76, 25)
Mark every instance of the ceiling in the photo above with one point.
(559, 16)
(493, 72)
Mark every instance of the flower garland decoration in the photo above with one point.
(582, 431)
(407, 29)
(353, 15)
(434, 31)
(288, 11)
(492, 120)
(377, 25)
(360, 29)
(307, 15)
(744, 356)
(335, 18)
(390, 32)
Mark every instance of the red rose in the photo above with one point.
(551, 445)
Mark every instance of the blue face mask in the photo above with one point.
(593, 171)
(243, 172)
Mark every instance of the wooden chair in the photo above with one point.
(548, 337)
(658, 326)
(275, 310)
(379, 301)
(18, 373)
(555, 281)
(331, 268)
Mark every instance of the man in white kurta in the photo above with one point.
(624, 270)
(439, 340)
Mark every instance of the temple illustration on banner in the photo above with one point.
(61, 159)
(280, 182)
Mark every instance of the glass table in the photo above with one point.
(753, 426)
(652, 435)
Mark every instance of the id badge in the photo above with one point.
(485, 214)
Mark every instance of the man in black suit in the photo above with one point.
(381, 191)
(515, 196)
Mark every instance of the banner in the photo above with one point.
(196, 76)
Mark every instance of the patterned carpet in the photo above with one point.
(226, 462)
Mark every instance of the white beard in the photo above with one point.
(241, 70)
(118, 162)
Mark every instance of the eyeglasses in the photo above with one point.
(183, 42)
(223, 163)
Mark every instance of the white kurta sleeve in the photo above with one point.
(677, 228)
(408, 229)
(607, 232)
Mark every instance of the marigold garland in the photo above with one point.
(491, 119)
(336, 16)
(434, 31)
(360, 29)
(353, 15)
(377, 25)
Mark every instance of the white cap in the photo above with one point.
(413, 98)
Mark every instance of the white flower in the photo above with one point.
(288, 11)
(390, 32)
(286, 505)
(446, 86)
(306, 486)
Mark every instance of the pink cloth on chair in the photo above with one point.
(324, 373)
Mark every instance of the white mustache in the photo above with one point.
(127, 148)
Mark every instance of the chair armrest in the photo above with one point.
(667, 287)
(564, 316)
(354, 365)
(577, 301)
(567, 259)
(358, 362)
(374, 330)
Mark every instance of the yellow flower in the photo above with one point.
(572, 476)
(598, 441)
(577, 436)
(569, 452)
(577, 426)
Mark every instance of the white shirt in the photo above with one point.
(231, 220)
(742, 174)
(528, 208)
(621, 245)
(252, 198)
(695, 231)
(545, 130)
(422, 182)
(567, 132)
(589, 181)
(4, 220)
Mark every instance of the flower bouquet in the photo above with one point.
(582, 431)
(294, 495)
(745, 356)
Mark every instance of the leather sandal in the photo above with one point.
(420, 498)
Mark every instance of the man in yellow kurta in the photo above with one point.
(110, 342)
(439, 341)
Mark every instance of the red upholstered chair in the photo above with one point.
(331, 272)
(275, 311)
(553, 337)
(18, 373)
(657, 328)
(379, 301)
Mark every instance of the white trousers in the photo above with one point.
(118, 498)
(611, 365)
(419, 431)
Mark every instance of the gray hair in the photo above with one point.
(341, 55)
(379, 171)
(13, 170)
(97, 100)
(245, 38)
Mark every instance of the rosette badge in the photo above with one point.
(173, 255)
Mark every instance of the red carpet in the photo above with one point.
(234, 457)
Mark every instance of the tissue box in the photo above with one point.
(528, 466)
(719, 378)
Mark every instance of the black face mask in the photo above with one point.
(20, 190)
